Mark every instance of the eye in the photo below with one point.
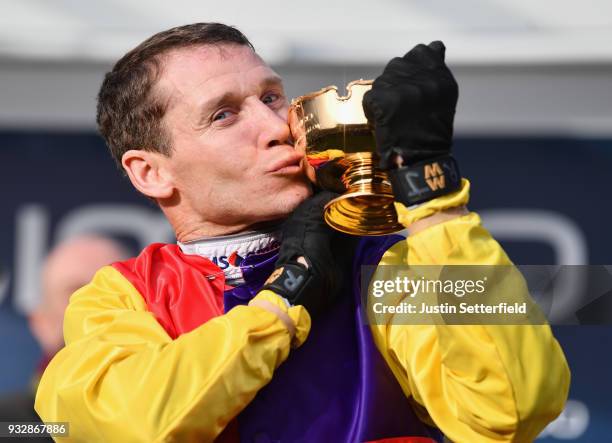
(222, 115)
(270, 98)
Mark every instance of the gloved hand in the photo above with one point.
(412, 107)
(314, 259)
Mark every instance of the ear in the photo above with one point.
(147, 173)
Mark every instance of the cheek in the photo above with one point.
(239, 161)
(283, 112)
(205, 165)
(220, 160)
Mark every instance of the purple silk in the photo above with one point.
(336, 387)
(256, 268)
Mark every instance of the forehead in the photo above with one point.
(210, 67)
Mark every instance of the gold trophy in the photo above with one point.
(334, 128)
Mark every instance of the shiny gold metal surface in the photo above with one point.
(324, 121)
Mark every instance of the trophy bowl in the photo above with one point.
(333, 128)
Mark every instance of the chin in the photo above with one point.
(276, 205)
(286, 203)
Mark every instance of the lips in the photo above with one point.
(287, 163)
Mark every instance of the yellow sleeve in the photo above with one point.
(477, 383)
(122, 378)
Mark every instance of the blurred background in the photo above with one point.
(533, 134)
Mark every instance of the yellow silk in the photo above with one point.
(480, 383)
(121, 378)
(329, 154)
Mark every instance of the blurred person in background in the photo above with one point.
(185, 342)
(68, 266)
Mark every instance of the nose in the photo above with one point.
(273, 126)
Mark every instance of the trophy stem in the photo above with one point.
(366, 208)
(362, 175)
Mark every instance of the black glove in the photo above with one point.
(412, 107)
(328, 254)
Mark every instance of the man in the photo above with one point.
(182, 343)
(69, 265)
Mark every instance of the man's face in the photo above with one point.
(232, 162)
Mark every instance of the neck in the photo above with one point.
(189, 225)
(207, 230)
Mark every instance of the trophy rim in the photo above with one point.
(302, 98)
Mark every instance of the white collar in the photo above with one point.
(228, 251)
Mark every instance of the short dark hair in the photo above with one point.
(129, 113)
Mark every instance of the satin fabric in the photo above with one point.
(336, 387)
(124, 377)
(346, 393)
(173, 288)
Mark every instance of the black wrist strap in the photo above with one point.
(425, 180)
(289, 281)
